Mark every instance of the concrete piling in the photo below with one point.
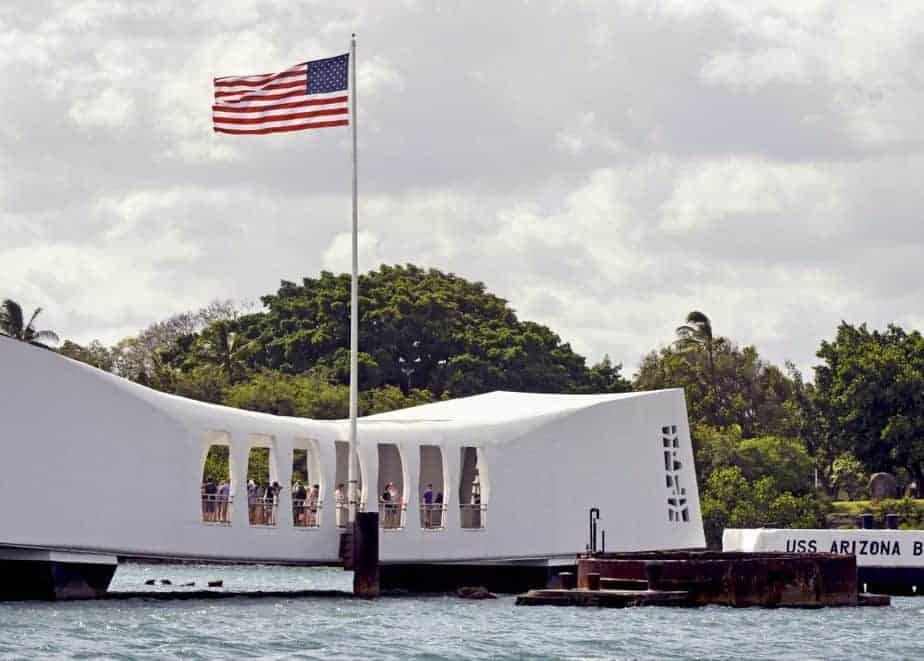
(366, 555)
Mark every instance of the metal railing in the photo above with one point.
(472, 515)
(306, 513)
(391, 515)
(216, 509)
(262, 511)
(433, 516)
(343, 512)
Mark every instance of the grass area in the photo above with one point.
(911, 510)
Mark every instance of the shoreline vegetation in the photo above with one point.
(771, 447)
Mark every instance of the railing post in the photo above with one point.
(594, 516)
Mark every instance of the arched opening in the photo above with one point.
(262, 487)
(472, 491)
(215, 490)
(307, 487)
(344, 494)
(431, 484)
(392, 497)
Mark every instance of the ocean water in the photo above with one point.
(437, 627)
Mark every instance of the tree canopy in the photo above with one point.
(731, 385)
(450, 335)
(870, 391)
(13, 324)
(424, 335)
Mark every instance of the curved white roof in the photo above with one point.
(497, 407)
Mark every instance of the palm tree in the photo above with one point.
(696, 335)
(11, 324)
(228, 349)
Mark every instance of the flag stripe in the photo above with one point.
(263, 103)
(307, 96)
(291, 115)
(273, 115)
(247, 107)
(282, 129)
(270, 122)
(298, 83)
(264, 96)
(259, 81)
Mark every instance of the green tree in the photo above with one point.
(13, 324)
(606, 377)
(696, 335)
(292, 395)
(731, 500)
(459, 338)
(714, 447)
(220, 344)
(870, 390)
(95, 354)
(784, 459)
(390, 398)
(207, 383)
(848, 476)
(752, 393)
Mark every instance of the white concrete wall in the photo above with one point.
(873, 548)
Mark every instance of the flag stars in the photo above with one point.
(329, 75)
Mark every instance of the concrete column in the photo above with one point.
(240, 450)
(282, 449)
(410, 455)
(452, 460)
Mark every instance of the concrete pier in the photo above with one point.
(769, 580)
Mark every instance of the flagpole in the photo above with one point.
(354, 494)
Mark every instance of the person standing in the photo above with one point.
(313, 497)
(438, 506)
(252, 501)
(298, 504)
(210, 505)
(272, 502)
(224, 490)
(386, 506)
(394, 498)
(341, 505)
(428, 506)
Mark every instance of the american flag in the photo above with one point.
(309, 95)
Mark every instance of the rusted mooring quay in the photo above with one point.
(700, 578)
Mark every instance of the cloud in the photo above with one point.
(338, 256)
(109, 109)
(604, 166)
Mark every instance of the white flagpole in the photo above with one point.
(354, 494)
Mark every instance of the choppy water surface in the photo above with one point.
(430, 627)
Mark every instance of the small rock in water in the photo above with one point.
(150, 581)
(166, 581)
(216, 584)
(475, 593)
(189, 585)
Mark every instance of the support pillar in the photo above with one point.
(366, 555)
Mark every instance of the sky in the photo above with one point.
(606, 166)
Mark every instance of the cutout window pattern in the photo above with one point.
(677, 508)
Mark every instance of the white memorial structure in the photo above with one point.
(97, 468)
